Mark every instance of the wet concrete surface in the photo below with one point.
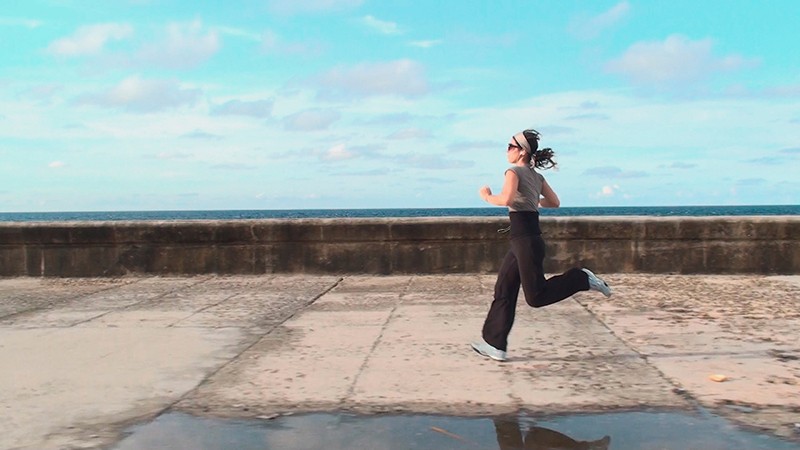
(610, 431)
(84, 359)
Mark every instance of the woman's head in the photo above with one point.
(527, 143)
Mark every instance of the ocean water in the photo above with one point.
(752, 210)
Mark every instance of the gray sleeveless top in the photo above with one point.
(529, 189)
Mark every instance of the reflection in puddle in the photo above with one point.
(511, 437)
(611, 431)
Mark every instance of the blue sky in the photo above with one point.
(274, 104)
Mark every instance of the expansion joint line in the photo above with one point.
(677, 388)
(149, 299)
(401, 297)
(67, 300)
(247, 347)
(268, 283)
(509, 374)
(203, 309)
(307, 304)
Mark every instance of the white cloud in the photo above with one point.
(425, 44)
(381, 26)
(464, 146)
(269, 41)
(42, 92)
(56, 165)
(137, 95)
(310, 120)
(682, 165)
(256, 108)
(608, 191)
(186, 45)
(239, 32)
(172, 155)
(486, 41)
(613, 190)
(590, 27)
(751, 181)
(783, 91)
(676, 59)
(89, 40)
(234, 167)
(432, 162)
(389, 119)
(311, 6)
(614, 172)
(588, 116)
(768, 160)
(337, 153)
(20, 22)
(410, 133)
(404, 78)
(272, 43)
(202, 135)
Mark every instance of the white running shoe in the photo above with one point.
(488, 351)
(597, 284)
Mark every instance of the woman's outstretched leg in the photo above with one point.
(541, 292)
(559, 287)
(500, 319)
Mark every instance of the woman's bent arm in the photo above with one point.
(549, 198)
(506, 196)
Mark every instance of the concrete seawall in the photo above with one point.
(686, 245)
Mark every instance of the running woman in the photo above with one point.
(524, 191)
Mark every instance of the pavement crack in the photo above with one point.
(159, 296)
(66, 301)
(484, 288)
(677, 387)
(203, 309)
(633, 349)
(307, 304)
(351, 390)
(510, 374)
(255, 340)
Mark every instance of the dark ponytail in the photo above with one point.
(540, 159)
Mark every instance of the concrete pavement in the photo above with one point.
(82, 359)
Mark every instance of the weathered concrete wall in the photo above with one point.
(397, 246)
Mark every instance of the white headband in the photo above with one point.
(519, 138)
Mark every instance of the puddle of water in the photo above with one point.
(610, 431)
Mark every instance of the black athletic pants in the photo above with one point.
(522, 265)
